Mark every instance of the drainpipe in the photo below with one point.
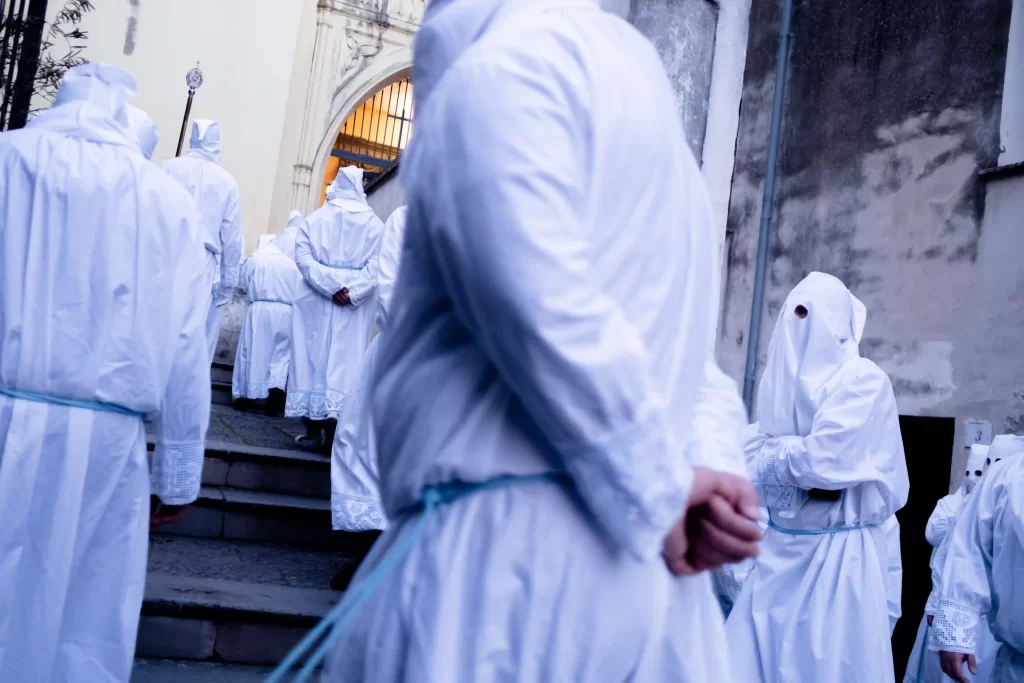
(764, 237)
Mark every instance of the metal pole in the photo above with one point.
(184, 122)
(767, 202)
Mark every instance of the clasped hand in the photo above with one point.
(718, 526)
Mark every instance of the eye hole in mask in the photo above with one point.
(800, 311)
(978, 473)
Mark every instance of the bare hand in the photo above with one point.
(953, 665)
(160, 514)
(341, 297)
(931, 618)
(716, 528)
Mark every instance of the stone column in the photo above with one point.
(303, 171)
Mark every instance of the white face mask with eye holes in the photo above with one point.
(977, 463)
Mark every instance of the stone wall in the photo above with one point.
(891, 111)
(683, 31)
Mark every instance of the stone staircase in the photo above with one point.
(220, 383)
(236, 583)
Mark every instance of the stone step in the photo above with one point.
(221, 372)
(231, 601)
(274, 470)
(239, 514)
(177, 671)
(220, 392)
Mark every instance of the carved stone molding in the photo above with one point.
(359, 46)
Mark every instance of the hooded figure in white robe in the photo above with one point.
(923, 665)
(142, 128)
(829, 458)
(551, 313)
(336, 250)
(716, 442)
(983, 572)
(894, 573)
(215, 193)
(355, 483)
(272, 281)
(102, 307)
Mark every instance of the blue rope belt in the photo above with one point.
(271, 301)
(812, 532)
(924, 649)
(344, 266)
(332, 626)
(70, 402)
(818, 532)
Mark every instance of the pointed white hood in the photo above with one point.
(347, 190)
(449, 28)
(205, 140)
(805, 353)
(141, 128)
(89, 104)
(1005, 446)
(977, 463)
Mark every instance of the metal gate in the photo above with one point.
(375, 134)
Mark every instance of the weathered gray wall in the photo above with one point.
(683, 31)
(891, 110)
(231, 328)
(617, 7)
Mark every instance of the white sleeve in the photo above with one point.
(511, 242)
(720, 420)
(390, 254)
(894, 574)
(361, 289)
(177, 461)
(326, 281)
(942, 518)
(832, 456)
(965, 592)
(245, 276)
(232, 243)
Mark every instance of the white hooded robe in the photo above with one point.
(923, 664)
(355, 483)
(215, 193)
(983, 572)
(552, 312)
(143, 129)
(102, 301)
(814, 608)
(272, 282)
(336, 247)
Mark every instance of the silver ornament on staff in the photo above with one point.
(193, 79)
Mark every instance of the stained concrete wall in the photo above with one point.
(683, 31)
(891, 110)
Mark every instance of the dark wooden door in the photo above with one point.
(928, 442)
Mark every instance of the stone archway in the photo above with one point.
(353, 102)
(360, 47)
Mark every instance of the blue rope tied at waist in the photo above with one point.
(271, 301)
(332, 626)
(344, 266)
(70, 402)
(818, 532)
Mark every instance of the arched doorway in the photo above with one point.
(374, 134)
